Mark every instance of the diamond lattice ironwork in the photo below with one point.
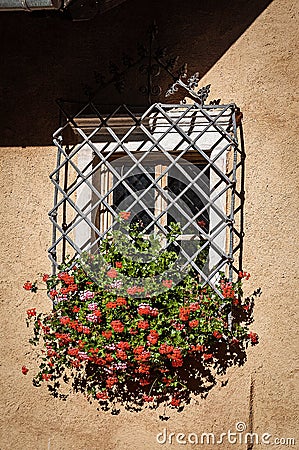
(167, 163)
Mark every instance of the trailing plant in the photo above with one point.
(129, 328)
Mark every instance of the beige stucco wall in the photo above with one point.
(259, 73)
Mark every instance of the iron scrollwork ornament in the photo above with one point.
(199, 96)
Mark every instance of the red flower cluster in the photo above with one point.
(123, 345)
(217, 334)
(193, 323)
(64, 320)
(46, 376)
(125, 215)
(107, 334)
(112, 273)
(69, 281)
(117, 326)
(143, 356)
(197, 348)
(245, 275)
(31, 312)
(144, 310)
(102, 395)
(201, 223)
(143, 324)
(121, 301)
(253, 337)
(118, 265)
(167, 283)
(73, 351)
(175, 402)
(121, 354)
(153, 337)
(111, 305)
(227, 290)
(165, 349)
(24, 370)
(194, 306)
(176, 357)
(53, 293)
(184, 313)
(135, 290)
(64, 338)
(28, 286)
(111, 381)
(143, 368)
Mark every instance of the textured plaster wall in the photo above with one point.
(259, 72)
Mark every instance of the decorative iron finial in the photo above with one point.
(199, 96)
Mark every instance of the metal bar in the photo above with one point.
(29, 5)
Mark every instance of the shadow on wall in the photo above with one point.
(46, 57)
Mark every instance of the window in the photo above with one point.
(170, 163)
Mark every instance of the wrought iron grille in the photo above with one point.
(166, 163)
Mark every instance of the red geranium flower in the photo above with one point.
(73, 287)
(118, 265)
(31, 312)
(245, 275)
(28, 286)
(167, 283)
(175, 402)
(184, 313)
(194, 306)
(253, 337)
(117, 326)
(121, 301)
(153, 337)
(123, 345)
(46, 376)
(201, 223)
(217, 334)
(154, 312)
(143, 324)
(112, 273)
(61, 275)
(85, 330)
(73, 351)
(197, 348)
(121, 354)
(165, 349)
(46, 277)
(53, 293)
(64, 291)
(193, 323)
(64, 320)
(125, 215)
(107, 334)
(102, 395)
(111, 305)
(111, 381)
(24, 370)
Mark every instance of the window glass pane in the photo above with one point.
(122, 198)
